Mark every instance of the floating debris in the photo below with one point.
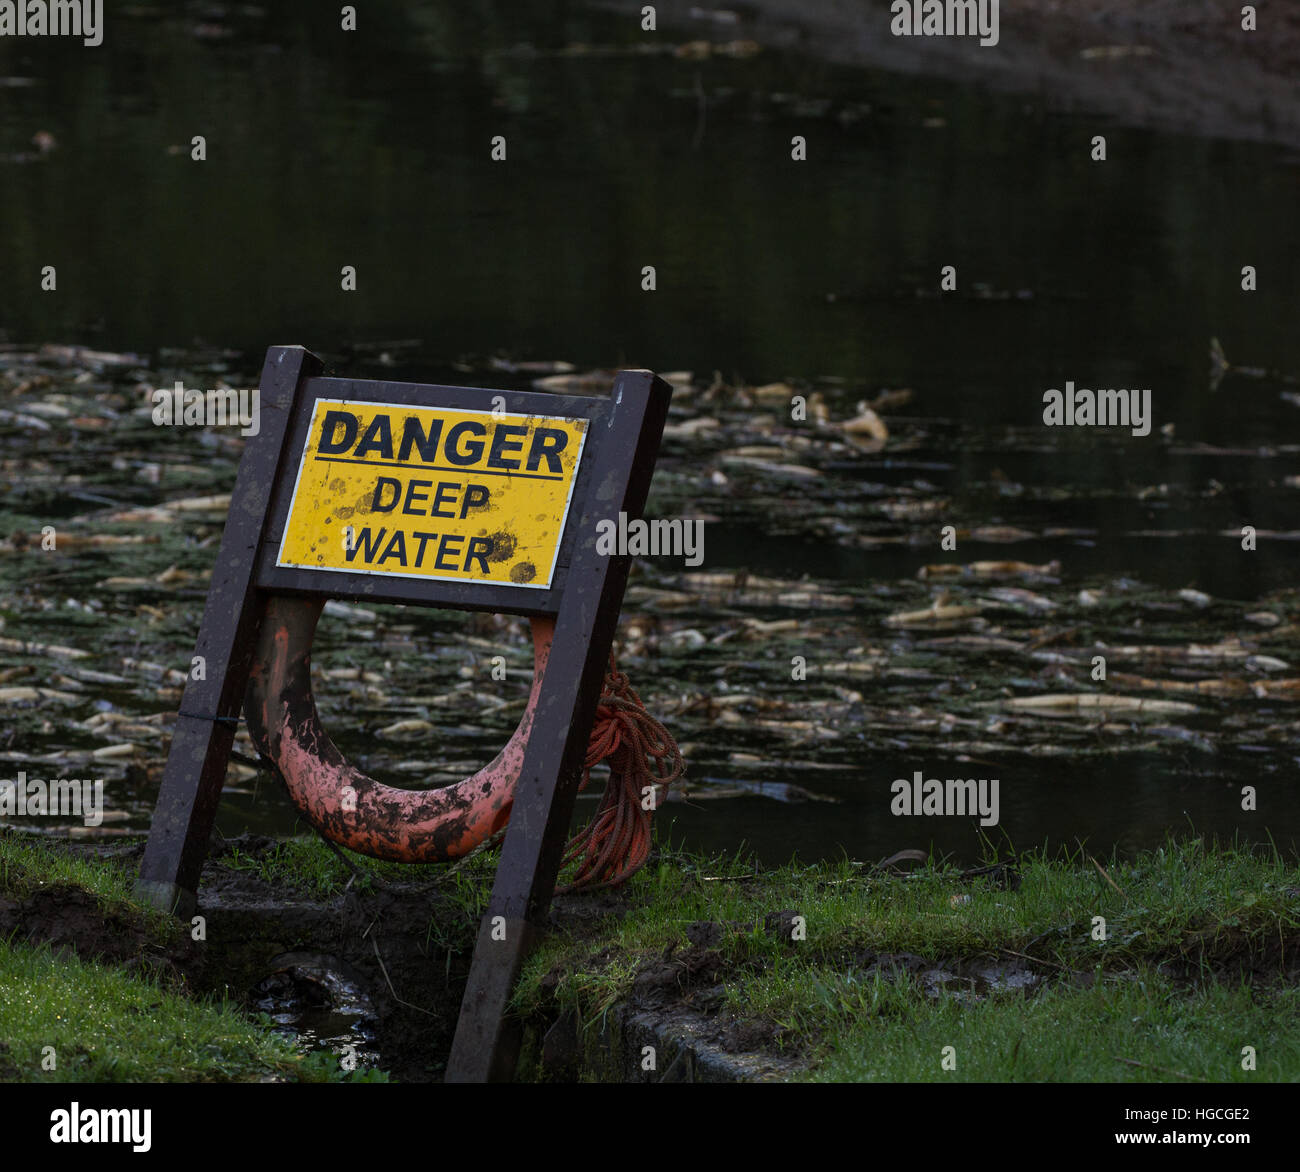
(1069, 705)
(936, 615)
(982, 570)
(824, 634)
(866, 429)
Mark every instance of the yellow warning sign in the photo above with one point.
(429, 492)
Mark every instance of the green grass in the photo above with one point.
(307, 864)
(1198, 941)
(107, 1026)
(1139, 1028)
(1180, 921)
(28, 862)
(311, 866)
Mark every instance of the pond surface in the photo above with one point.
(373, 150)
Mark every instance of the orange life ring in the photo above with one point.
(344, 804)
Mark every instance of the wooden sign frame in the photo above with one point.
(584, 598)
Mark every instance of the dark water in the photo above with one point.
(328, 149)
(372, 149)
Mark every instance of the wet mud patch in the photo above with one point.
(376, 976)
(322, 1002)
(1225, 952)
(503, 546)
(678, 974)
(966, 979)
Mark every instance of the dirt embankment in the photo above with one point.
(1180, 65)
(257, 930)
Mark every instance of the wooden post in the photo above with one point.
(205, 728)
(485, 1046)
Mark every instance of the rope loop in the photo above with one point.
(644, 761)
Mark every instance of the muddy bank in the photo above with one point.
(397, 960)
(374, 973)
(830, 989)
(1167, 64)
(393, 959)
(387, 966)
(708, 970)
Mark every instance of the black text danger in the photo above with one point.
(493, 447)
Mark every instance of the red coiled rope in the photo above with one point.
(644, 761)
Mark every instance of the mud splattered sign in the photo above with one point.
(430, 492)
